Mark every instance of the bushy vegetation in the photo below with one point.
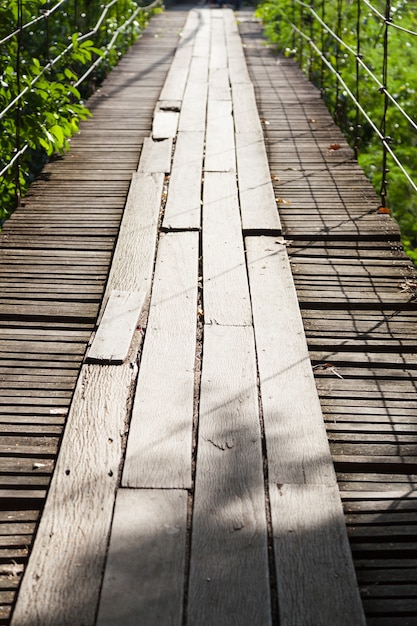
(44, 62)
(401, 81)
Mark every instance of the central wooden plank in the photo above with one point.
(159, 445)
(229, 580)
(226, 292)
(144, 580)
(183, 207)
(220, 140)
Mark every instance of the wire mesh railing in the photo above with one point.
(362, 54)
(49, 51)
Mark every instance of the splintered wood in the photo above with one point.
(224, 500)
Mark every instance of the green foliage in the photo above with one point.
(342, 18)
(39, 68)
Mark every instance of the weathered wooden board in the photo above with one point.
(155, 156)
(219, 86)
(175, 82)
(193, 110)
(297, 441)
(63, 578)
(199, 67)
(226, 293)
(144, 575)
(165, 124)
(238, 71)
(159, 445)
(229, 579)
(245, 111)
(220, 141)
(133, 259)
(314, 569)
(218, 51)
(183, 206)
(257, 198)
(114, 335)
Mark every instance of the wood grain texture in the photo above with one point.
(62, 582)
(245, 110)
(144, 577)
(183, 206)
(193, 110)
(114, 335)
(155, 156)
(294, 428)
(315, 574)
(225, 284)
(160, 438)
(229, 580)
(165, 124)
(133, 259)
(257, 198)
(220, 140)
(219, 86)
(175, 82)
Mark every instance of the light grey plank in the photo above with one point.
(245, 110)
(160, 438)
(226, 293)
(133, 258)
(155, 156)
(114, 335)
(175, 82)
(198, 69)
(296, 439)
(144, 575)
(165, 121)
(220, 139)
(229, 582)
(183, 207)
(62, 582)
(219, 87)
(193, 110)
(238, 71)
(257, 198)
(218, 51)
(315, 573)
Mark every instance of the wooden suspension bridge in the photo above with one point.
(208, 366)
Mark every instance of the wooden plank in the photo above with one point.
(175, 82)
(164, 125)
(315, 574)
(220, 141)
(159, 450)
(133, 259)
(229, 579)
(219, 87)
(226, 292)
(245, 111)
(238, 71)
(144, 575)
(63, 577)
(257, 198)
(155, 156)
(193, 110)
(114, 335)
(183, 207)
(297, 441)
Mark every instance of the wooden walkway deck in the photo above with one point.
(194, 482)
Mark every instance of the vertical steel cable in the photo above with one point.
(18, 112)
(337, 64)
(310, 59)
(322, 44)
(384, 90)
(357, 76)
